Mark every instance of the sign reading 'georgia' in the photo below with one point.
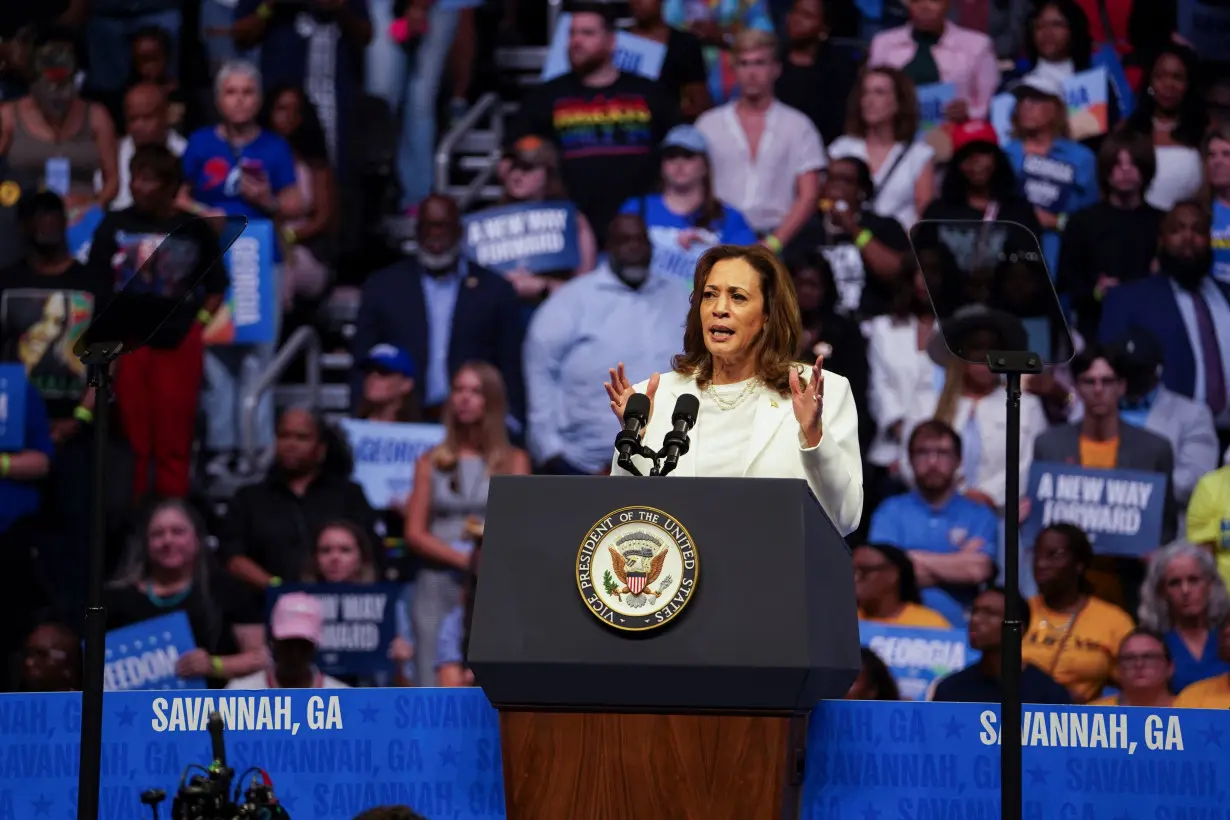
(917, 657)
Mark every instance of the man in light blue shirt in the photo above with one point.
(950, 539)
(620, 312)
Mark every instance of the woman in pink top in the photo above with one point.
(930, 49)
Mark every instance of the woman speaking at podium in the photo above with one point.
(762, 414)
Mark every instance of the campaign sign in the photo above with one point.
(931, 102)
(249, 313)
(80, 233)
(917, 656)
(360, 623)
(333, 754)
(385, 455)
(633, 54)
(1088, 95)
(1047, 182)
(539, 236)
(143, 656)
(1120, 510)
(13, 388)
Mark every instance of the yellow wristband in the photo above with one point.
(204, 316)
(275, 581)
(6, 461)
(216, 663)
(84, 415)
(774, 243)
(863, 239)
(289, 236)
(264, 11)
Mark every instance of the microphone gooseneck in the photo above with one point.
(628, 442)
(676, 442)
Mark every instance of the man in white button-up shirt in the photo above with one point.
(766, 156)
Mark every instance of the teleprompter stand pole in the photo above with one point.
(1012, 365)
(98, 359)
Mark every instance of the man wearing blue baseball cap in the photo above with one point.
(388, 386)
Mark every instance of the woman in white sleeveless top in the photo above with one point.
(881, 130)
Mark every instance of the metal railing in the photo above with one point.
(488, 105)
(305, 340)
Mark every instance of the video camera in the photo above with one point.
(207, 795)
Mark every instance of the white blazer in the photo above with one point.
(833, 468)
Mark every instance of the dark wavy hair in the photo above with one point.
(1193, 119)
(308, 140)
(878, 676)
(955, 189)
(783, 329)
(1080, 40)
(905, 121)
(907, 580)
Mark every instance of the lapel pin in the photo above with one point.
(773, 402)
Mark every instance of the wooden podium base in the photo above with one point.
(572, 766)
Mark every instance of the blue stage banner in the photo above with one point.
(931, 102)
(332, 754)
(13, 388)
(360, 623)
(917, 657)
(249, 313)
(1120, 510)
(143, 656)
(538, 236)
(633, 54)
(385, 455)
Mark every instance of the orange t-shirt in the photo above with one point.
(1077, 651)
(1210, 693)
(1099, 455)
(912, 615)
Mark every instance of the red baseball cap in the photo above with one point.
(973, 131)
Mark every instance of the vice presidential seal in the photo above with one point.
(637, 568)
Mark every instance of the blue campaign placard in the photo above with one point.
(13, 388)
(360, 623)
(633, 54)
(333, 754)
(80, 233)
(143, 656)
(916, 656)
(931, 102)
(538, 236)
(252, 299)
(385, 455)
(1120, 510)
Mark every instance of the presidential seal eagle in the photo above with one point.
(637, 560)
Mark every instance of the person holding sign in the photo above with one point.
(1072, 636)
(344, 555)
(1058, 176)
(931, 49)
(1144, 670)
(1101, 440)
(167, 568)
(687, 219)
(886, 589)
(1184, 600)
(980, 682)
(296, 628)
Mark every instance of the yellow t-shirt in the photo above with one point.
(1078, 655)
(1113, 700)
(1099, 455)
(1208, 517)
(912, 615)
(1210, 693)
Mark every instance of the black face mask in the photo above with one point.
(1187, 272)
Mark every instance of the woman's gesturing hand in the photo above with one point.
(808, 402)
(620, 390)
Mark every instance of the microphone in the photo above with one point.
(676, 442)
(628, 442)
(215, 739)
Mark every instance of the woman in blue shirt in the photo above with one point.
(686, 219)
(1058, 176)
(1184, 600)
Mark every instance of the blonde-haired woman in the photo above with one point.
(450, 488)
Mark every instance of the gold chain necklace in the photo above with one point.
(725, 404)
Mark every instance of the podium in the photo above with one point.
(701, 718)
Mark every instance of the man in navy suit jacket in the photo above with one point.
(444, 311)
(1169, 305)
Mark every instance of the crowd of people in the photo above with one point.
(759, 127)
